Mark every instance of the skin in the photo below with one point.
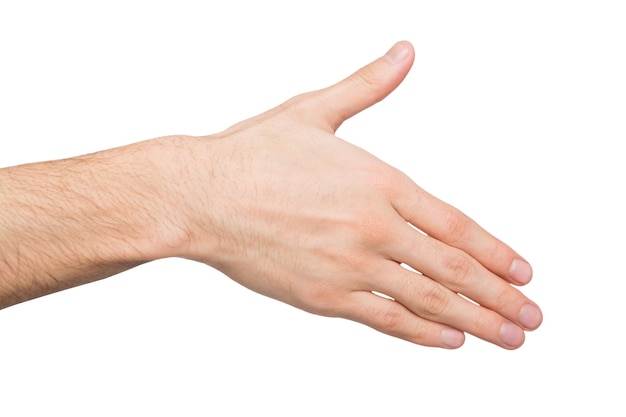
(284, 207)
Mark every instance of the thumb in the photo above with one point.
(366, 87)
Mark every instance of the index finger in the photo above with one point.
(451, 226)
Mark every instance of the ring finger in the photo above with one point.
(430, 300)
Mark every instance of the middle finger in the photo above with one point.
(459, 272)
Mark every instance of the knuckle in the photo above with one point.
(505, 299)
(391, 320)
(387, 180)
(366, 228)
(458, 269)
(346, 251)
(320, 298)
(493, 252)
(297, 106)
(456, 225)
(322, 293)
(419, 334)
(434, 301)
(371, 228)
(482, 324)
(295, 101)
(368, 78)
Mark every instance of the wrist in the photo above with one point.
(177, 174)
(159, 191)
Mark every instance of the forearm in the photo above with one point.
(68, 222)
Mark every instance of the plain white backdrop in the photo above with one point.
(514, 112)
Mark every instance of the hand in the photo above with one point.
(284, 207)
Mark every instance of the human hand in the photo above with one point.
(284, 207)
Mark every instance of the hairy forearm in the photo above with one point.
(68, 222)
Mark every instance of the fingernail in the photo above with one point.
(452, 338)
(520, 272)
(397, 53)
(530, 317)
(511, 335)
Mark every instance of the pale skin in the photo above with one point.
(282, 206)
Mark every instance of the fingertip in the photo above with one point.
(511, 336)
(520, 272)
(399, 52)
(452, 338)
(530, 317)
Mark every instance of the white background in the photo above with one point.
(514, 112)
